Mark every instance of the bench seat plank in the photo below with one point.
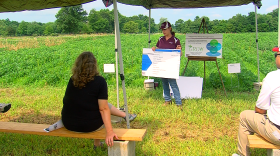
(256, 141)
(38, 129)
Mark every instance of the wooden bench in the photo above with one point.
(124, 147)
(256, 141)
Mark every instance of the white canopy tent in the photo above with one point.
(20, 5)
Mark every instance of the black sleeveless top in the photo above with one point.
(80, 110)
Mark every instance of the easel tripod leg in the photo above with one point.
(204, 76)
(185, 67)
(221, 78)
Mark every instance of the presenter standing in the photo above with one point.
(169, 41)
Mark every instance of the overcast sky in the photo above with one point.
(172, 15)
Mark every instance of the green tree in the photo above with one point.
(33, 28)
(179, 25)
(162, 19)
(186, 28)
(8, 28)
(122, 21)
(263, 27)
(102, 25)
(144, 30)
(93, 17)
(48, 30)
(22, 28)
(274, 13)
(101, 21)
(131, 27)
(69, 18)
(3, 28)
(10, 31)
(11, 27)
(85, 28)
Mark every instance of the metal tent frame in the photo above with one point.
(19, 5)
(117, 32)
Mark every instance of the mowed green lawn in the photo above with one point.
(206, 126)
(34, 81)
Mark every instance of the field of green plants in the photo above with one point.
(33, 79)
(51, 65)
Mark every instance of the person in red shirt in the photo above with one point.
(169, 41)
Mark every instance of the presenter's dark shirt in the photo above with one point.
(171, 43)
(80, 110)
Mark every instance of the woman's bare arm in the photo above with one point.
(106, 117)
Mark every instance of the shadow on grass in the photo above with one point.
(32, 117)
(25, 144)
(151, 125)
(210, 93)
(220, 94)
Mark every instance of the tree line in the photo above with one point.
(75, 20)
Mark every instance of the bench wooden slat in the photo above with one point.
(256, 141)
(38, 129)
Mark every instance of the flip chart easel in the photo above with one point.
(204, 58)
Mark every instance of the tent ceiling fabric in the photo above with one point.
(20, 5)
(153, 4)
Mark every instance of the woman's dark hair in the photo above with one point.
(84, 69)
(172, 32)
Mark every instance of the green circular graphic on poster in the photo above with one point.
(213, 46)
(214, 43)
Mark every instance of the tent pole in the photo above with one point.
(256, 22)
(121, 61)
(278, 23)
(149, 30)
(149, 26)
(117, 67)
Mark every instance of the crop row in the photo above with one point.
(51, 65)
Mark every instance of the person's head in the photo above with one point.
(277, 59)
(167, 29)
(84, 69)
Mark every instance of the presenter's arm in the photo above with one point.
(260, 111)
(179, 47)
(106, 117)
(153, 48)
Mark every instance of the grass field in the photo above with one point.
(206, 126)
(33, 79)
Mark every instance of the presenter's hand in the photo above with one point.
(153, 48)
(110, 138)
(179, 47)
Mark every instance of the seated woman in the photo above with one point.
(85, 104)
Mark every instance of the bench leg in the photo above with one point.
(273, 152)
(122, 148)
(269, 152)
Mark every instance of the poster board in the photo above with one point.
(209, 45)
(189, 87)
(163, 63)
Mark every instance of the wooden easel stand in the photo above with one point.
(205, 58)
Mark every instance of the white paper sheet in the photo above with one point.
(234, 68)
(109, 68)
(189, 87)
